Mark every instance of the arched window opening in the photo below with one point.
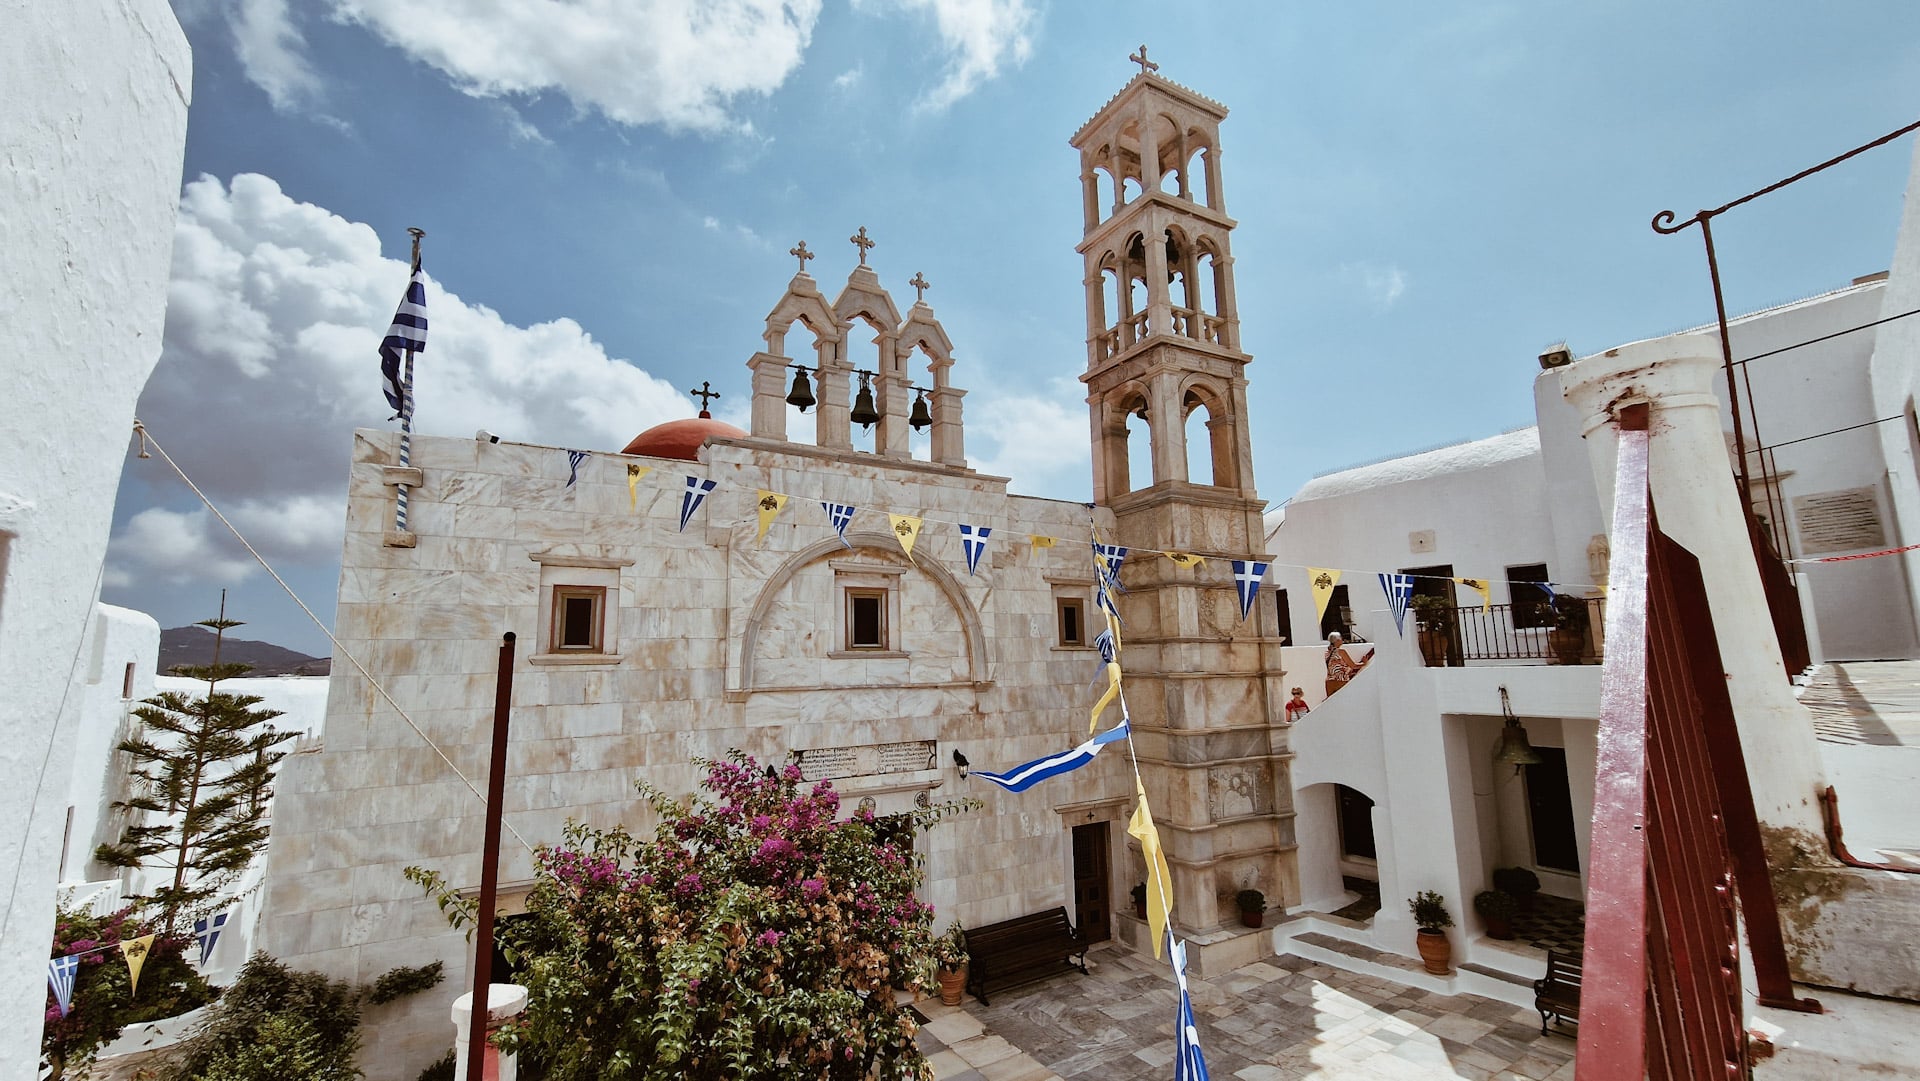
(1199, 442)
(866, 438)
(1209, 294)
(920, 372)
(1170, 181)
(1103, 191)
(1139, 447)
(1129, 190)
(1110, 294)
(1180, 289)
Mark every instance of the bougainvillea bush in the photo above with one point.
(757, 935)
(104, 1000)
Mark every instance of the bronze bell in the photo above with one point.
(864, 414)
(1513, 748)
(801, 396)
(921, 418)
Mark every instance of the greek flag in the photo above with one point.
(840, 514)
(1107, 559)
(1188, 1063)
(690, 500)
(574, 458)
(206, 930)
(1399, 589)
(1104, 643)
(1021, 778)
(408, 334)
(60, 973)
(974, 539)
(1246, 582)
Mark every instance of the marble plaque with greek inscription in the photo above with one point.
(828, 763)
(1844, 520)
(905, 757)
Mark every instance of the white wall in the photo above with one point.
(118, 637)
(94, 127)
(1895, 374)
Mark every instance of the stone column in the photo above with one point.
(1090, 196)
(769, 396)
(949, 443)
(505, 1001)
(1159, 306)
(831, 391)
(1169, 427)
(1694, 495)
(892, 398)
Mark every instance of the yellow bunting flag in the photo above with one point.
(1159, 888)
(1185, 559)
(136, 950)
(1040, 542)
(634, 473)
(1112, 692)
(770, 506)
(907, 529)
(1322, 579)
(1479, 585)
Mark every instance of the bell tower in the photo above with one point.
(1163, 343)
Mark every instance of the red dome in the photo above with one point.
(681, 438)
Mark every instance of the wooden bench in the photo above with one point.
(1557, 994)
(1022, 950)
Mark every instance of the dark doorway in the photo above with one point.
(1550, 809)
(1335, 617)
(1279, 606)
(1091, 889)
(1356, 823)
(1432, 581)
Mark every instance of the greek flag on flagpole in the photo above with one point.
(1188, 1063)
(574, 458)
(1399, 588)
(206, 930)
(407, 334)
(840, 514)
(60, 973)
(691, 499)
(1247, 574)
(1021, 778)
(974, 539)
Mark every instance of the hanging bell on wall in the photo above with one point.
(864, 414)
(1513, 749)
(921, 418)
(801, 396)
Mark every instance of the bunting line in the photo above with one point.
(1399, 590)
(1022, 777)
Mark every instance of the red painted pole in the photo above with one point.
(489, 867)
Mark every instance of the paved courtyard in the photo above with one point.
(1281, 1019)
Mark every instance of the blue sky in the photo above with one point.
(1428, 195)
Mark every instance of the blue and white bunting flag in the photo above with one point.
(1104, 643)
(1107, 559)
(1021, 778)
(206, 931)
(407, 334)
(60, 973)
(690, 500)
(1547, 588)
(1188, 1063)
(974, 539)
(1399, 590)
(1247, 574)
(574, 458)
(840, 514)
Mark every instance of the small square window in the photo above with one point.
(867, 619)
(126, 684)
(1073, 620)
(578, 619)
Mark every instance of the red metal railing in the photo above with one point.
(1675, 839)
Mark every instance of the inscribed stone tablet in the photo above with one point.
(1844, 520)
(826, 763)
(906, 757)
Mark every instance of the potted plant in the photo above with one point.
(1519, 882)
(1253, 906)
(950, 951)
(1568, 638)
(1430, 915)
(1434, 616)
(1140, 900)
(1496, 909)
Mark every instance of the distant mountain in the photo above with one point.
(194, 645)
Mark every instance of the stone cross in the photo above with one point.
(859, 240)
(1140, 58)
(706, 391)
(920, 286)
(803, 254)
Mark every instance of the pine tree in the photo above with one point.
(203, 770)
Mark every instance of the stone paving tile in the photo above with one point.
(1284, 1018)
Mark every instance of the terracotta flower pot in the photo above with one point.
(1251, 918)
(953, 983)
(1499, 927)
(1435, 951)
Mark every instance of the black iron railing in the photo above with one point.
(1516, 632)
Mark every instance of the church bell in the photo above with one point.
(1512, 749)
(801, 396)
(864, 414)
(921, 418)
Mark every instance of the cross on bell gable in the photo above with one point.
(1140, 58)
(920, 286)
(802, 254)
(861, 241)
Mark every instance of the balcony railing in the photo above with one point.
(1515, 632)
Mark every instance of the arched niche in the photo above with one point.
(1198, 396)
(870, 547)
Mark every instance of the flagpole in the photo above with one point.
(406, 405)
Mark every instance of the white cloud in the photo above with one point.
(275, 314)
(268, 45)
(850, 78)
(1382, 285)
(668, 62)
(522, 129)
(177, 547)
(979, 36)
(1038, 440)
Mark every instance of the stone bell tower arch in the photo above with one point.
(1163, 342)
